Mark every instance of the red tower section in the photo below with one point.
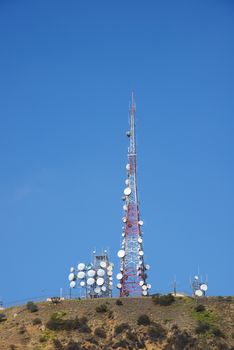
(133, 271)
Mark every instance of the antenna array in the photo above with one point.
(95, 278)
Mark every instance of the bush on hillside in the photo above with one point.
(143, 320)
(100, 332)
(101, 308)
(121, 327)
(3, 318)
(202, 328)
(119, 302)
(200, 308)
(56, 322)
(36, 321)
(156, 332)
(163, 300)
(31, 306)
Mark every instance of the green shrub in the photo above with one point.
(181, 340)
(122, 344)
(143, 320)
(202, 328)
(163, 300)
(101, 308)
(57, 344)
(119, 302)
(217, 332)
(56, 322)
(3, 318)
(100, 332)
(36, 321)
(31, 306)
(121, 327)
(200, 308)
(73, 346)
(156, 332)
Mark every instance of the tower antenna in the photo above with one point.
(133, 271)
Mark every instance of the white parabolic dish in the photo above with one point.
(119, 285)
(128, 167)
(144, 292)
(127, 191)
(141, 222)
(119, 276)
(91, 273)
(81, 274)
(103, 264)
(100, 272)
(204, 287)
(198, 293)
(97, 290)
(81, 266)
(121, 253)
(72, 284)
(100, 281)
(90, 281)
(71, 277)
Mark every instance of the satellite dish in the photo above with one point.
(149, 286)
(82, 283)
(109, 272)
(91, 273)
(72, 284)
(119, 285)
(110, 283)
(72, 269)
(109, 268)
(121, 253)
(128, 133)
(128, 167)
(144, 292)
(100, 281)
(141, 222)
(198, 293)
(71, 276)
(123, 234)
(104, 288)
(125, 207)
(110, 278)
(141, 283)
(147, 267)
(81, 267)
(144, 287)
(103, 264)
(97, 290)
(90, 281)
(81, 274)
(100, 272)
(140, 262)
(196, 277)
(119, 276)
(127, 191)
(127, 182)
(124, 219)
(141, 253)
(140, 240)
(204, 287)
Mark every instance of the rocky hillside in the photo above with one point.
(134, 323)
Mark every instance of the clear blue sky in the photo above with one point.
(66, 74)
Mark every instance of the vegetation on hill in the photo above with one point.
(152, 323)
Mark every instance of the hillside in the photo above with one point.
(103, 324)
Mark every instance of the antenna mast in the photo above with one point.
(132, 276)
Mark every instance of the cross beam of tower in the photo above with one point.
(133, 275)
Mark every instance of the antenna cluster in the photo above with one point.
(95, 278)
(199, 288)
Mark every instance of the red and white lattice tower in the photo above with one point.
(133, 271)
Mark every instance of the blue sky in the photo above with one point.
(67, 70)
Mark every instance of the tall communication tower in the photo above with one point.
(132, 277)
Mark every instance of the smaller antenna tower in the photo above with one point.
(94, 278)
(199, 288)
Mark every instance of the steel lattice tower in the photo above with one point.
(132, 276)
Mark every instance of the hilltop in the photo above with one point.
(127, 323)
